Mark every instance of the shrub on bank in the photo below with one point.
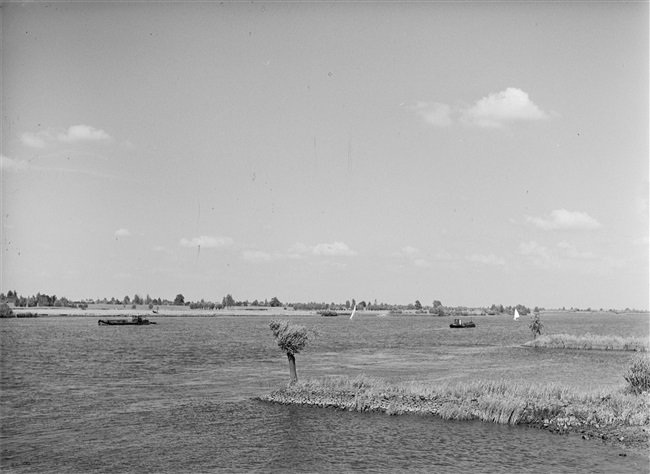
(637, 374)
(6, 311)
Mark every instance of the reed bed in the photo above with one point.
(499, 401)
(590, 342)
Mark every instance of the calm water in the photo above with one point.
(178, 396)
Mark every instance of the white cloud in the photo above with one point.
(333, 249)
(256, 256)
(496, 110)
(206, 241)
(337, 266)
(434, 113)
(122, 233)
(570, 251)
(299, 251)
(416, 257)
(539, 255)
(74, 134)
(486, 259)
(10, 164)
(413, 255)
(566, 257)
(408, 250)
(83, 133)
(561, 219)
(323, 249)
(33, 140)
(501, 108)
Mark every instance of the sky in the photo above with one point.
(471, 153)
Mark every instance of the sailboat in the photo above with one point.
(353, 311)
(516, 318)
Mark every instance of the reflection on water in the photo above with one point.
(176, 397)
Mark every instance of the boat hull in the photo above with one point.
(462, 325)
(123, 322)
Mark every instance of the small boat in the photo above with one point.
(516, 318)
(354, 310)
(459, 324)
(134, 321)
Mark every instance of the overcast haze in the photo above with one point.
(464, 152)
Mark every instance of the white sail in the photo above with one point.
(353, 311)
(516, 318)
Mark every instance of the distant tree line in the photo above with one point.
(39, 300)
(435, 309)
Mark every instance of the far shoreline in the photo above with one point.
(41, 311)
(185, 311)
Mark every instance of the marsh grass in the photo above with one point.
(637, 374)
(590, 342)
(497, 401)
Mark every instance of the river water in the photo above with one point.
(179, 397)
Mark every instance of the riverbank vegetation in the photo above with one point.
(590, 342)
(499, 401)
(619, 415)
(637, 374)
(7, 312)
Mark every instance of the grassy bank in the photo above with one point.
(608, 415)
(590, 341)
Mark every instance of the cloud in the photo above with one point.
(336, 249)
(256, 256)
(570, 251)
(408, 250)
(413, 254)
(486, 259)
(78, 133)
(496, 110)
(500, 108)
(206, 241)
(434, 113)
(539, 255)
(33, 140)
(561, 219)
(74, 134)
(565, 257)
(122, 233)
(333, 249)
(9, 164)
(299, 251)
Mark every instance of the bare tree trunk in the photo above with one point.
(292, 368)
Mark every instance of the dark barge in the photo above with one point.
(459, 324)
(134, 321)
